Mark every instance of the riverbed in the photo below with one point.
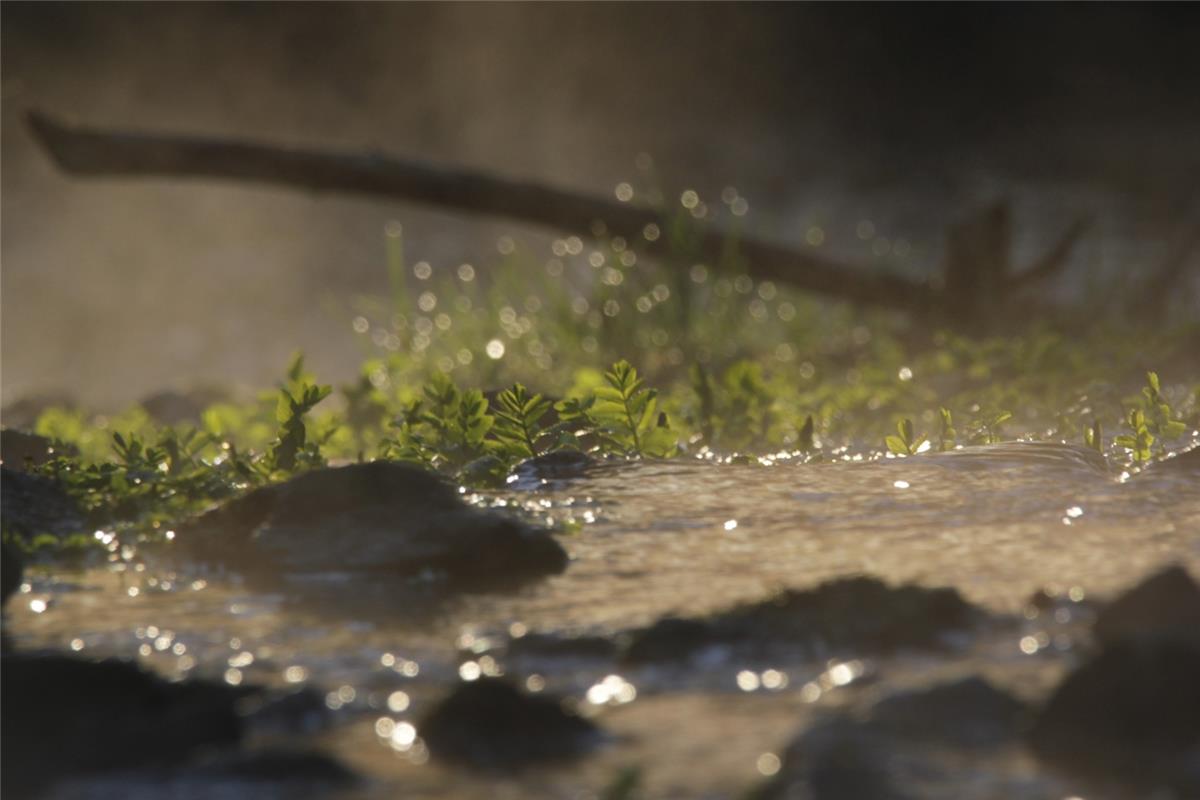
(647, 540)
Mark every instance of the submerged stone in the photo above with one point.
(1165, 605)
(381, 518)
(966, 713)
(66, 716)
(857, 613)
(492, 725)
(31, 505)
(920, 743)
(835, 760)
(1131, 713)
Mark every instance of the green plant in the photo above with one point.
(1093, 437)
(1139, 440)
(805, 438)
(1160, 418)
(985, 429)
(946, 434)
(292, 448)
(518, 418)
(905, 442)
(624, 415)
(624, 785)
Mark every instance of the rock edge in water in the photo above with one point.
(862, 613)
(1131, 713)
(490, 724)
(382, 518)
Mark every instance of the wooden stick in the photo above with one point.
(96, 152)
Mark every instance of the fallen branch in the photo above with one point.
(86, 151)
(1054, 259)
(1155, 294)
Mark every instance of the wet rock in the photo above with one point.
(19, 449)
(492, 725)
(858, 613)
(966, 713)
(1131, 713)
(551, 468)
(379, 518)
(66, 716)
(1184, 462)
(31, 505)
(1165, 605)
(835, 760)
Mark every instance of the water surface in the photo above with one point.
(656, 538)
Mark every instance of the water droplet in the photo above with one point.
(768, 764)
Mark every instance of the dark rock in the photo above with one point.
(553, 646)
(66, 716)
(379, 518)
(670, 638)
(967, 713)
(1165, 605)
(1185, 462)
(836, 760)
(1130, 713)
(12, 568)
(24, 413)
(557, 465)
(31, 505)
(858, 613)
(300, 711)
(19, 449)
(275, 766)
(492, 725)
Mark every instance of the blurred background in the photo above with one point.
(875, 125)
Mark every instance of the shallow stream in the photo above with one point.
(670, 538)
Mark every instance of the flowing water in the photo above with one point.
(651, 539)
